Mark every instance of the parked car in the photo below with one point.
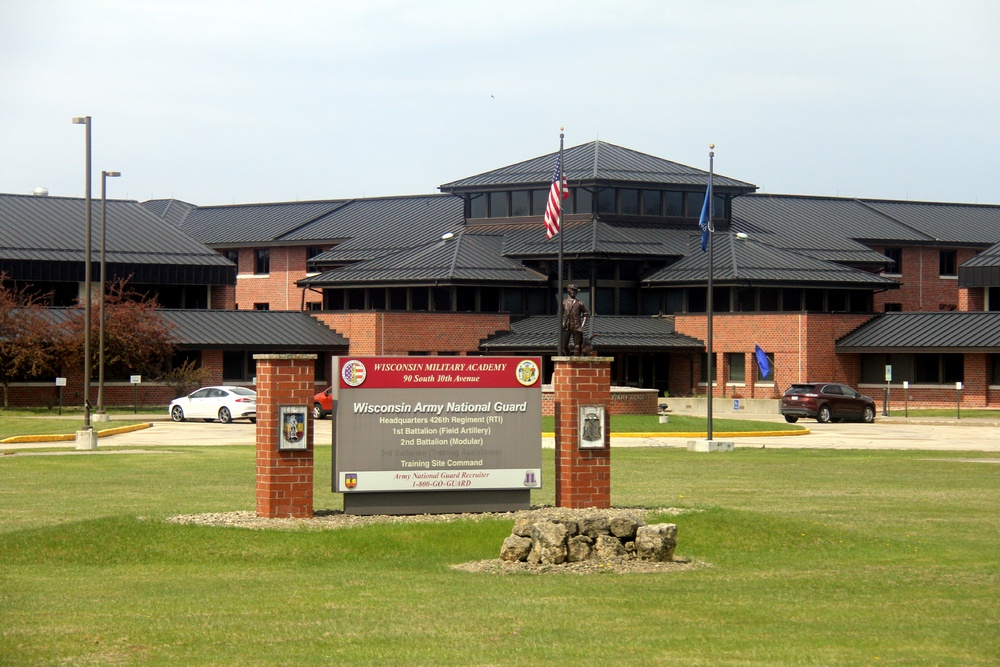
(826, 402)
(211, 403)
(323, 403)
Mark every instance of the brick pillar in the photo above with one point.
(583, 476)
(284, 477)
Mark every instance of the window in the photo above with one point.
(477, 206)
(539, 200)
(583, 200)
(651, 203)
(737, 367)
(896, 255)
(947, 263)
(313, 251)
(233, 256)
(262, 306)
(238, 365)
(673, 204)
(695, 200)
(520, 203)
(314, 305)
(791, 299)
(498, 205)
(703, 375)
(892, 307)
(606, 200)
(397, 298)
(262, 261)
(628, 201)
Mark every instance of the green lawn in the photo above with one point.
(812, 557)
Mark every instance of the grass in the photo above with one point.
(813, 557)
(29, 423)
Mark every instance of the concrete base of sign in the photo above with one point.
(436, 502)
(100, 417)
(86, 438)
(711, 445)
(664, 419)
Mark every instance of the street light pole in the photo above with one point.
(87, 279)
(105, 175)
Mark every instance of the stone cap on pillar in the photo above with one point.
(284, 356)
(597, 360)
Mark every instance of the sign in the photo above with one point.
(591, 427)
(135, 379)
(60, 382)
(888, 372)
(437, 424)
(736, 404)
(958, 386)
(292, 427)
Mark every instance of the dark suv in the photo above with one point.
(826, 402)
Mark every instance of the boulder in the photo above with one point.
(608, 548)
(578, 548)
(548, 542)
(515, 548)
(592, 526)
(624, 527)
(656, 542)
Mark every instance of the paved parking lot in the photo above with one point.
(894, 433)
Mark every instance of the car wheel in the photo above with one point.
(790, 419)
(824, 415)
(317, 411)
(868, 416)
(225, 416)
(177, 413)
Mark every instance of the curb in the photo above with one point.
(72, 436)
(702, 434)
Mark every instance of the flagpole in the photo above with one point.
(709, 299)
(559, 265)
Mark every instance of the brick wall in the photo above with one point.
(402, 333)
(583, 477)
(277, 288)
(922, 286)
(802, 344)
(284, 477)
(622, 401)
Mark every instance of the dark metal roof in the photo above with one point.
(374, 227)
(172, 210)
(610, 333)
(258, 330)
(261, 330)
(248, 224)
(749, 261)
(983, 270)
(598, 161)
(464, 258)
(966, 224)
(598, 239)
(44, 238)
(926, 332)
(836, 228)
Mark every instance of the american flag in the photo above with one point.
(554, 205)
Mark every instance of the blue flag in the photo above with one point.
(705, 221)
(762, 362)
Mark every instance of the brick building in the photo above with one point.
(820, 284)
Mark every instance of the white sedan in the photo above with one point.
(211, 403)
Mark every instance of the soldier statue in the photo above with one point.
(574, 319)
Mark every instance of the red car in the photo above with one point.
(323, 403)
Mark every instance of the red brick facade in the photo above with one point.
(277, 287)
(583, 477)
(923, 288)
(403, 333)
(284, 477)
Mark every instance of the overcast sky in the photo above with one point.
(237, 101)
